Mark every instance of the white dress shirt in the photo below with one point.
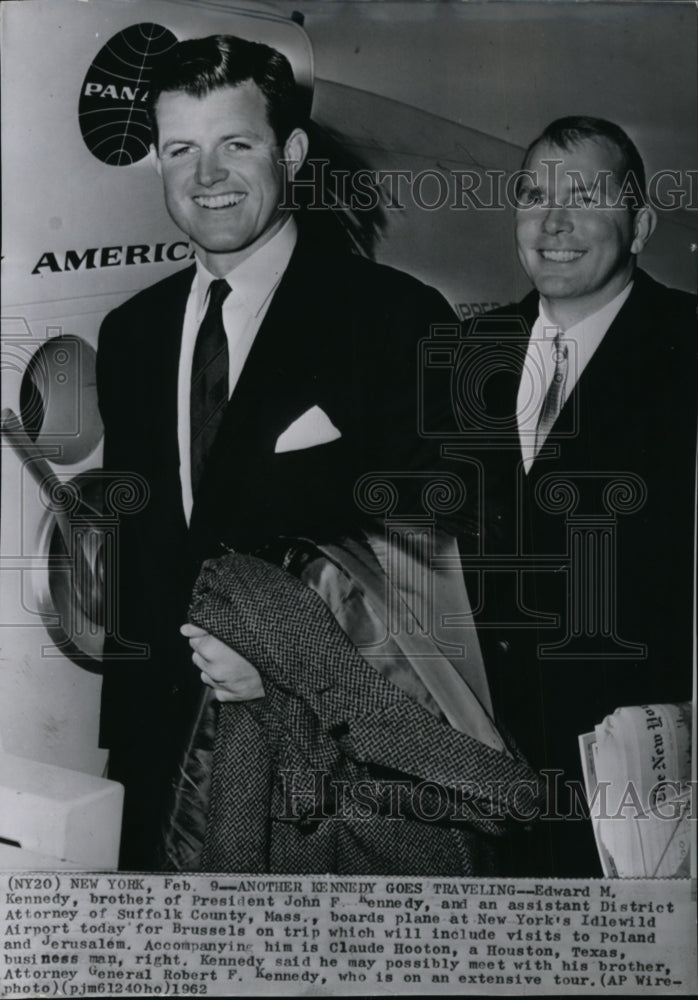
(582, 340)
(253, 283)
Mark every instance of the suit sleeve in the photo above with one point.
(107, 379)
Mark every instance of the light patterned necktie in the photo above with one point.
(209, 380)
(555, 396)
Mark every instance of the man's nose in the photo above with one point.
(209, 169)
(557, 220)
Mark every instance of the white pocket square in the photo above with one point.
(312, 428)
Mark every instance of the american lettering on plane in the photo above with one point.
(116, 256)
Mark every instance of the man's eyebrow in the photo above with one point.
(239, 134)
(242, 133)
(178, 142)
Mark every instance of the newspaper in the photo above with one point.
(648, 749)
(442, 99)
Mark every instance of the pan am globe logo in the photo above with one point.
(112, 108)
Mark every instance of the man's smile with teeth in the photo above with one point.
(561, 256)
(217, 200)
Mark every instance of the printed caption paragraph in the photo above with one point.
(79, 935)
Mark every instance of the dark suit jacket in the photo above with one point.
(630, 420)
(341, 333)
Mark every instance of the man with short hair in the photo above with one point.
(593, 469)
(249, 391)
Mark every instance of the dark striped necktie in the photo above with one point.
(209, 380)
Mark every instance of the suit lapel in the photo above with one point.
(276, 384)
(161, 364)
(529, 314)
(615, 349)
(598, 386)
(272, 389)
(159, 370)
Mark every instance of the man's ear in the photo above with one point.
(643, 227)
(155, 159)
(295, 151)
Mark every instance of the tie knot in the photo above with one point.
(218, 292)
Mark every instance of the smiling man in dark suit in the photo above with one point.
(249, 391)
(592, 391)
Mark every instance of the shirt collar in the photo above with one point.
(590, 331)
(255, 279)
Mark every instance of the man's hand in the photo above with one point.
(230, 675)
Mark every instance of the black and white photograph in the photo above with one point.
(349, 432)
